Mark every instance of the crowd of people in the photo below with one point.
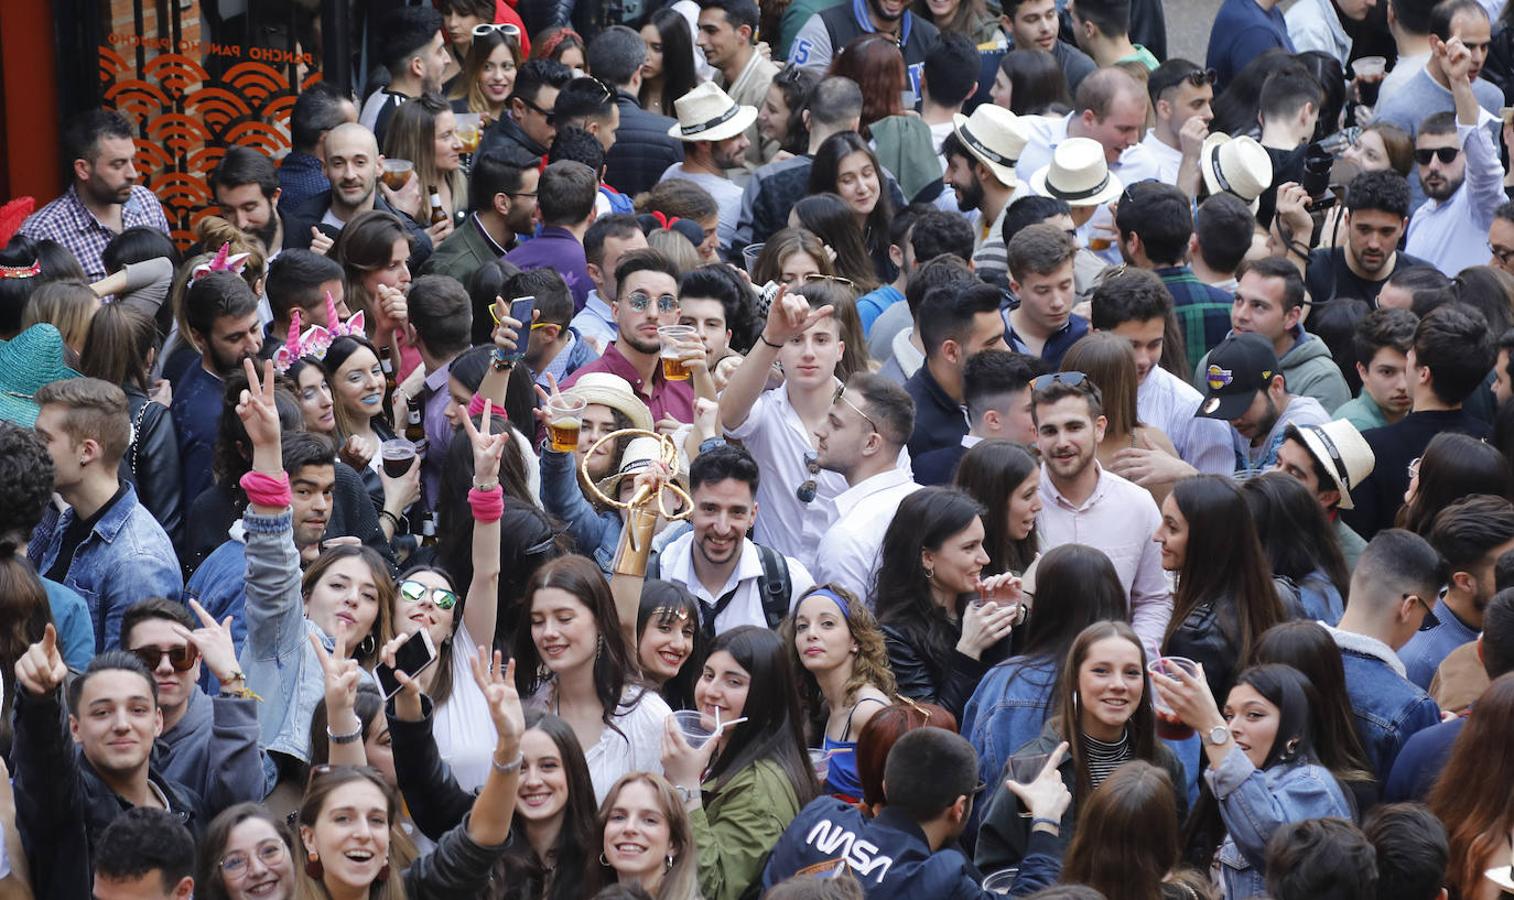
(813, 449)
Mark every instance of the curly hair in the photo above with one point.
(869, 664)
(26, 482)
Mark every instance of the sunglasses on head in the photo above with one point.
(1200, 77)
(841, 398)
(181, 658)
(505, 28)
(640, 301)
(1444, 154)
(415, 592)
(1071, 379)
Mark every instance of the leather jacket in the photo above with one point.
(151, 462)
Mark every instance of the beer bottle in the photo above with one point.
(437, 213)
(428, 529)
(386, 362)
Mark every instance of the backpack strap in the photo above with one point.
(775, 585)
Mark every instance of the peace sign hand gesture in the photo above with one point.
(256, 407)
(342, 676)
(487, 448)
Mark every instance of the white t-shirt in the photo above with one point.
(463, 727)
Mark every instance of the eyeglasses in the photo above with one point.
(640, 301)
(505, 28)
(531, 104)
(1071, 379)
(521, 193)
(181, 658)
(807, 491)
(1502, 254)
(270, 853)
(415, 592)
(841, 398)
(1444, 154)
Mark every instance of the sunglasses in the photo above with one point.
(1071, 379)
(1128, 194)
(1431, 620)
(544, 113)
(841, 398)
(415, 592)
(181, 658)
(505, 28)
(1444, 154)
(811, 486)
(640, 301)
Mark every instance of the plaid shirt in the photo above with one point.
(1203, 311)
(67, 221)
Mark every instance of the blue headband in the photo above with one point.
(846, 610)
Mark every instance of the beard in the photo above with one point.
(970, 198)
(268, 232)
(1440, 188)
(874, 7)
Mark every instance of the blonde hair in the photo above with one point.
(676, 247)
(68, 306)
(412, 135)
(681, 880)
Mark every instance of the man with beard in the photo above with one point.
(736, 581)
(981, 154)
(1453, 24)
(1462, 176)
(411, 46)
(710, 150)
(104, 199)
(823, 36)
(1377, 208)
(1084, 503)
(1246, 389)
(222, 313)
(727, 37)
(246, 185)
(503, 200)
(353, 164)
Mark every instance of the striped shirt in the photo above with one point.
(1103, 758)
(1203, 310)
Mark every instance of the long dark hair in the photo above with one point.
(1141, 727)
(1294, 532)
(1223, 562)
(678, 75)
(774, 726)
(1453, 466)
(670, 604)
(991, 472)
(614, 666)
(823, 177)
(24, 617)
(1128, 837)
(795, 83)
(1236, 109)
(828, 217)
(441, 682)
(925, 520)
(120, 340)
(1308, 647)
(1038, 86)
(575, 875)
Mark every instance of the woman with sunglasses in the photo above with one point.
(488, 73)
(246, 855)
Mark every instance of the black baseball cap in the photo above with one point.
(1240, 366)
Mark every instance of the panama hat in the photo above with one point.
(1342, 452)
(995, 137)
(1078, 175)
(28, 361)
(640, 454)
(709, 114)
(605, 389)
(1239, 166)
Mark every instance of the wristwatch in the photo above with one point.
(1219, 735)
(684, 794)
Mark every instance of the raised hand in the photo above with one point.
(41, 669)
(407, 703)
(682, 764)
(506, 334)
(546, 398)
(790, 316)
(256, 407)
(357, 451)
(1188, 697)
(341, 677)
(497, 682)
(393, 313)
(320, 241)
(213, 640)
(487, 448)
(985, 625)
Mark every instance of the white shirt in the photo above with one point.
(777, 438)
(463, 727)
(1453, 234)
(1167, 159)
(726, 192)
(745, 608)
(1167, 402)
(848, 553)
(636, 747)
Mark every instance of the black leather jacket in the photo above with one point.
(948, 683)
(152, 462)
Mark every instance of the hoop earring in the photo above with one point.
(930, 573)
(313, 866)
(369, 644)
(668, 863)
(602, 861)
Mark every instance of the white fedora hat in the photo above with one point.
(995, 137)
(1342, 452)
(1078, 175)
(709, 114)
(1240, 166)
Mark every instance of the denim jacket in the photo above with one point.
(1387, 707)
(1318, 596)
(562, 497)
(1255, 803)
(277, 658)
(1006, 712)
(126, 558)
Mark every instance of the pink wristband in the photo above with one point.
(476, 407)
(488, 506)
(267, 490)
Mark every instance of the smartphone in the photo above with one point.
(413, 657)
(521, 310)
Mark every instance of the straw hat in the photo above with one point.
(995, 137)
(640, 453)
(1240, 166)
(1078, 174)
(28, 361)
(1342, 452)
(615, 392)
(709, 114)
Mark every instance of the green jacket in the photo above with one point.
(737, 827)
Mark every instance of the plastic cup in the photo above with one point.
(564, 419)
(1369, 66)
(1001, 881)
(397, 172)
(1025, 768)
(673, 368)
(469, 130)
(820, 759)
(398, 455)
(1369, 78)
(749, 255)
(1169, 726)
(696, 727)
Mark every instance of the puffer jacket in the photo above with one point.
(643, 148)
(152, 462)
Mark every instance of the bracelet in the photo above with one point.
(1299, 247)
(764, 338)
(352, 738)
(501, 363)
(242, 693)
(1043, 822)
(393, 519)
(509, 768)
(263, 489)
(487, 486)
(686, 794)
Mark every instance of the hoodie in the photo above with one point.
(1310, 371)
(1315, 25)
(1301, 411)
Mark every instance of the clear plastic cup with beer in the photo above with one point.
(565, 416)
(673, 337)
(397, 172)
(469, 130)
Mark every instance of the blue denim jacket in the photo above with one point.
(1006, 712)
(562, 497)
(1388, 708)
(1319, 597)
(1255, 803)
(126, 558)
(1428, 649)
(218, 586)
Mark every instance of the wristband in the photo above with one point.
(764, 338)
(352, 738)
(509, 768)
(1042, 820)
(267, 490)
(476, 407)
(488, 506)
(394, 520)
